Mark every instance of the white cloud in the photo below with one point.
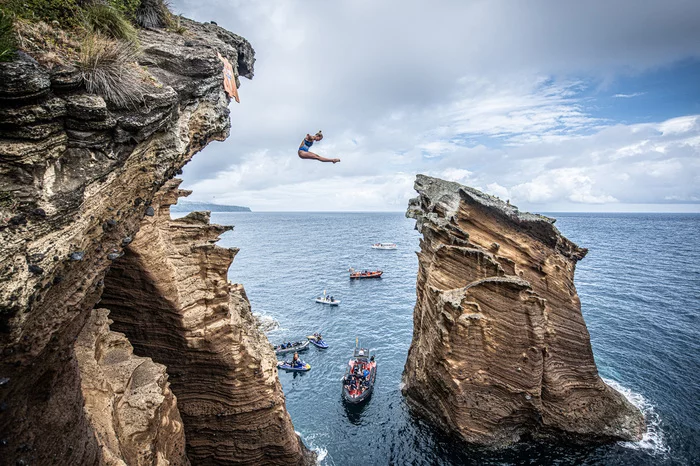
(628, 96)
(467, 90)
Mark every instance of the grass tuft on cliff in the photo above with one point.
(8, 42)
(108, 68)
(154, 14)
(105, 19)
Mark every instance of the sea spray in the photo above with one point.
(654, 439)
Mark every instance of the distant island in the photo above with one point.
(187, 206)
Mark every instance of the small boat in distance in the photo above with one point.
(366, 274)
(327, 299)
(317, 340)
(384, 246)
(285, 348)
(300, 366)
(359, 378)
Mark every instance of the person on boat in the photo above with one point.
(306, 143)
(295, 360)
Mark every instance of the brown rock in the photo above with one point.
(500, 348)
(79, 163)
(170, 295)
(128, 400)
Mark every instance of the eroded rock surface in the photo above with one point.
(77, 176)
(170, 295)
(500, 348)
(128, 400)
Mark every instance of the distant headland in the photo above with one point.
(188, 206)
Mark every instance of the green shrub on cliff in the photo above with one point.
(66, 12)
(63, 11)
(8, 45)
(108, 68)
(107, 20)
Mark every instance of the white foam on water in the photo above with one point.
(321, 453)
(654, 439)
(266, 322)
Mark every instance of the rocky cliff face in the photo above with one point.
(128, 402)
(77, 178)
(170, 295)
(500, 348)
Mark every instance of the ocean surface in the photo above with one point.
(640, 292)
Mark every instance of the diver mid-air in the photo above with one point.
(306, 144)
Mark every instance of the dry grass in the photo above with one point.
(48, 45)
(154, 14)
(109, 69)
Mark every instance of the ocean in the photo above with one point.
(640, 293)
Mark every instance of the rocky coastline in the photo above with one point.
(85, 185)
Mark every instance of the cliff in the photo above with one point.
(500, 348)
(79, 177)
(170, 295)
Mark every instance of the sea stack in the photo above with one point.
(500, 348)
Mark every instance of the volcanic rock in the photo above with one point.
(79, 161)
(127, 399)
(500, 348)
(170, 295)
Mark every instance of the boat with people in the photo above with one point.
(327, 299)
(384, 246)
(317, 340)
(360, 375)
(291, 347)
(365, 273)
(294, 366)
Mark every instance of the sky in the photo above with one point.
(557, 106)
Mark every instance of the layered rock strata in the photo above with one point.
(128, 401)
(77, 176)
(500, 348)
(170, 295)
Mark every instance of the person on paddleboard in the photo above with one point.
(306, 144)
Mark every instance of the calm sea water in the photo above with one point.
(640, 289)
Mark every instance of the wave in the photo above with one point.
(265, 322)
(654, 439)
(321, 453)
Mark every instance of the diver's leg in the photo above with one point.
(310, 155)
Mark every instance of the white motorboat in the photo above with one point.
(384, 246)
(327, 299)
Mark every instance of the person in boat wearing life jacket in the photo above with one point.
(296, 362)
(304, 149)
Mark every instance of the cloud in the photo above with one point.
(493, 94)
(628, 96)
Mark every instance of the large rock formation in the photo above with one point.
(500, 348)
(77, 177)
(128, 400)
(170, 295)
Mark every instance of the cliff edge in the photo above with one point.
(81, 172)
(500, 348)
